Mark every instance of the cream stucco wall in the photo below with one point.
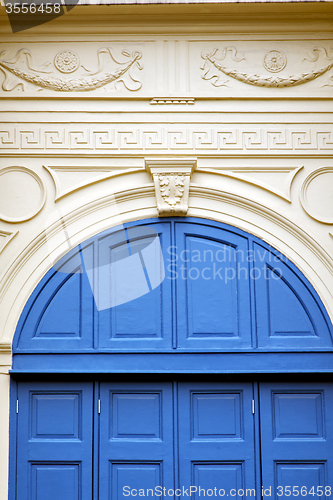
(74, 160)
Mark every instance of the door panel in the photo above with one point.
(55, 441)
(216, 436)
(136, 438)
(296, 437)
(213, 293)
(278, 288)
(131, 283)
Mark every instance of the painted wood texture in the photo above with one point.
(54, 437)
(172, 434)
(296, 436)
(166, 285)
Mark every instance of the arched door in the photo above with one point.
(112, 355)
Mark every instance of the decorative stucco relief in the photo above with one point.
(172, 189)
(317, 195)
(172, 183)
(22, 194)
(274, 61)
(277, 180)
(5, 238)
(71, 178)
(89, 138)
(21, 69)
(172, 100)
(67, 61)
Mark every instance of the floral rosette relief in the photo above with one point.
(66, 73)
(220, 63)
(66, 61)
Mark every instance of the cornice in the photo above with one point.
(240, 17)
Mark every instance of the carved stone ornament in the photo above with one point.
(22, 194)
(21, 70)
(172, 100)
(172, 183)
(66, 61)
(317, 195)
(274, 61)
(77, 138)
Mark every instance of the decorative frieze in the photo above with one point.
(21, 69)
(178, 73)
(274, 61)
(97, 138)
(172, 183)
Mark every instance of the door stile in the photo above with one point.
(257, 444)
(13, 441)
(173, 265)
(95, 311)
(175, 435)
(253, 305)
(96, 441)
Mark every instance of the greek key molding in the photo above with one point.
(71, 139)
(172, 183)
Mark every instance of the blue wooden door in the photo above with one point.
(198, 439)
(145, 429)
(54, 445)
(134, 292)
(136, 439)
(279, 288)
(172, 285)
(213, 288)
(297, 439)
(216, 439)
(63, 306)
